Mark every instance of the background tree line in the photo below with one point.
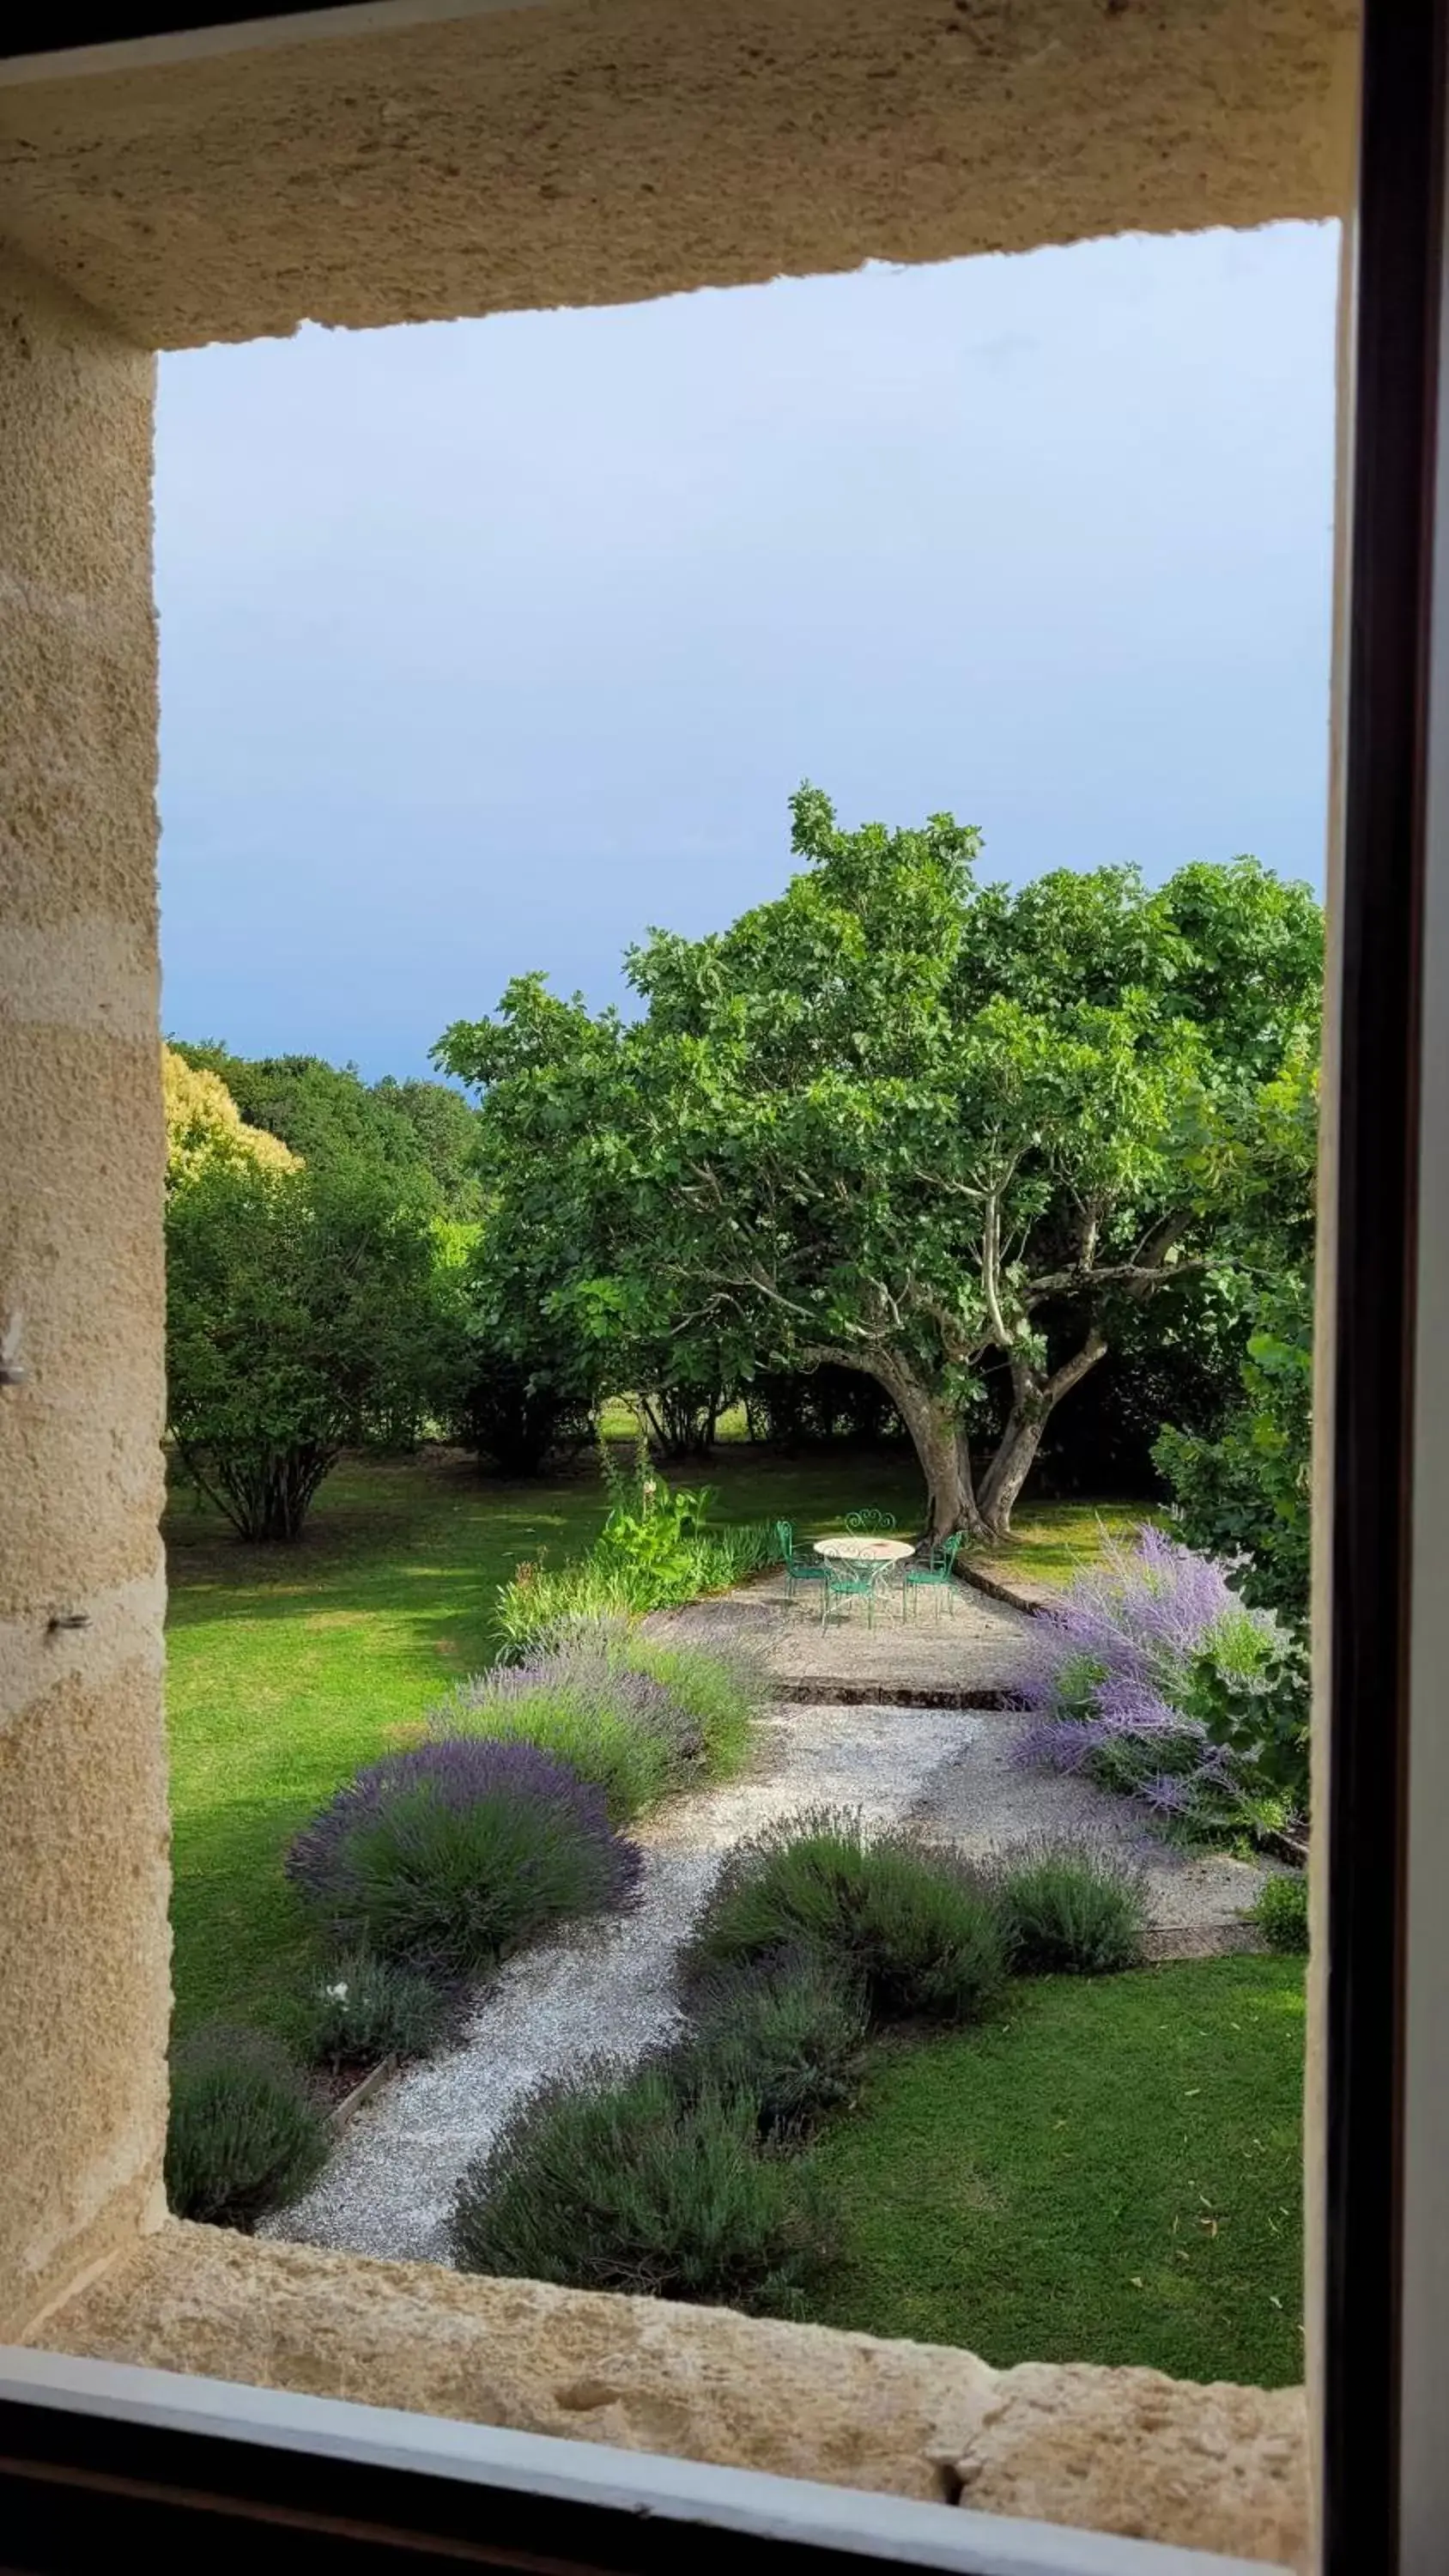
(1026, 1173)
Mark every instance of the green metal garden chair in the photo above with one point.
(937, 1575)
(804, 1567)
(864, 1523)
(844, 1583)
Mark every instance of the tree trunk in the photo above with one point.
(1014, 1458)
(1033, 1402)
(940, 1445)
(936, 1436)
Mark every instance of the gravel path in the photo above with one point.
(605, 1988)
(608, 1988)
(980, 1800)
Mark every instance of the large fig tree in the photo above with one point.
(907, 1124)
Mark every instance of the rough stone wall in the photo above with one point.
(602, 151)
(83, 1940)
(1123, 2451)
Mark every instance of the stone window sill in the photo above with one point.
(1126, 2452)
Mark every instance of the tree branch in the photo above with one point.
(1137, 1277)
(991, 1268)
(1072, 1371)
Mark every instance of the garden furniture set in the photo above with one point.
(860, 1562)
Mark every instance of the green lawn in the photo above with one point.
(1109, 2175)
(289, 1666)
(1050, 1542)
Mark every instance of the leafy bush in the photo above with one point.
(1280, 1911)
(516, 1417)
(1071, 1907)
(653, 1553)
(1153, 1678)
(535, 1611)
(301, 1306)
(638, 1716)
(244, 2135)
(719, 1688)
(651, 1526)
(912, 1925)
(619, 1730)
(632, 2186)
(1245, 1497)
(789, 2035)
(367, 2009)
(451, 1855)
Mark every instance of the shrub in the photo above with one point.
(638, 1716)
(451, 1855)
(630, 2186)
(1280, 1911)
(651, 1526)
(1154, 1679)
(1071, 1907)
(245, 2135)
(617, 1729)
(718, 1688)
(653, 1553)
(912, 1925)
(367, 2009)
(789, 2035)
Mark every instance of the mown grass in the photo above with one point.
(1050, 1542)
(290, 1666)
(1109, 2173)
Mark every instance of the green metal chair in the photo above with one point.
(844, 1583)
(864, 1523)
(937, 1575)
(804, 1567)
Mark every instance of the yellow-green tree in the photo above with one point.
(205, 1128)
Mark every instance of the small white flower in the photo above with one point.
(335, 1994)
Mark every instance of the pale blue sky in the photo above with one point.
(486, 645)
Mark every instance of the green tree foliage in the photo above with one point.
(204, 1125)
(906, 1125)
(423, 1133)
(301, 1305)
(1245, 1496)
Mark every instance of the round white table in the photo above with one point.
(865, 1551)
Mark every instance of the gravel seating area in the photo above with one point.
(964, 1646)
(607, 1988)
(981, 1799)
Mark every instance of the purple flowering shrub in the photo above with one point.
(637, 1716)
(1124, 1677)
(450, 1855)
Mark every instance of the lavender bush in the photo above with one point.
(452, 1854)
(1128, 1677)
(637, 1716)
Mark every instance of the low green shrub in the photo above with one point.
(653, 1553)
(575, 1711)
(637, 1716)
(722, 1558)
(631, 2186)
(245, 2134)
(719, 1688)
(368, 2008)
(451, 1855)
(790, 2035)
(913, 1925)
(1280, 1911)
(535, 1610)
(1071, 1907)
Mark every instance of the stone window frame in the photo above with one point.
(1379, 2313)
